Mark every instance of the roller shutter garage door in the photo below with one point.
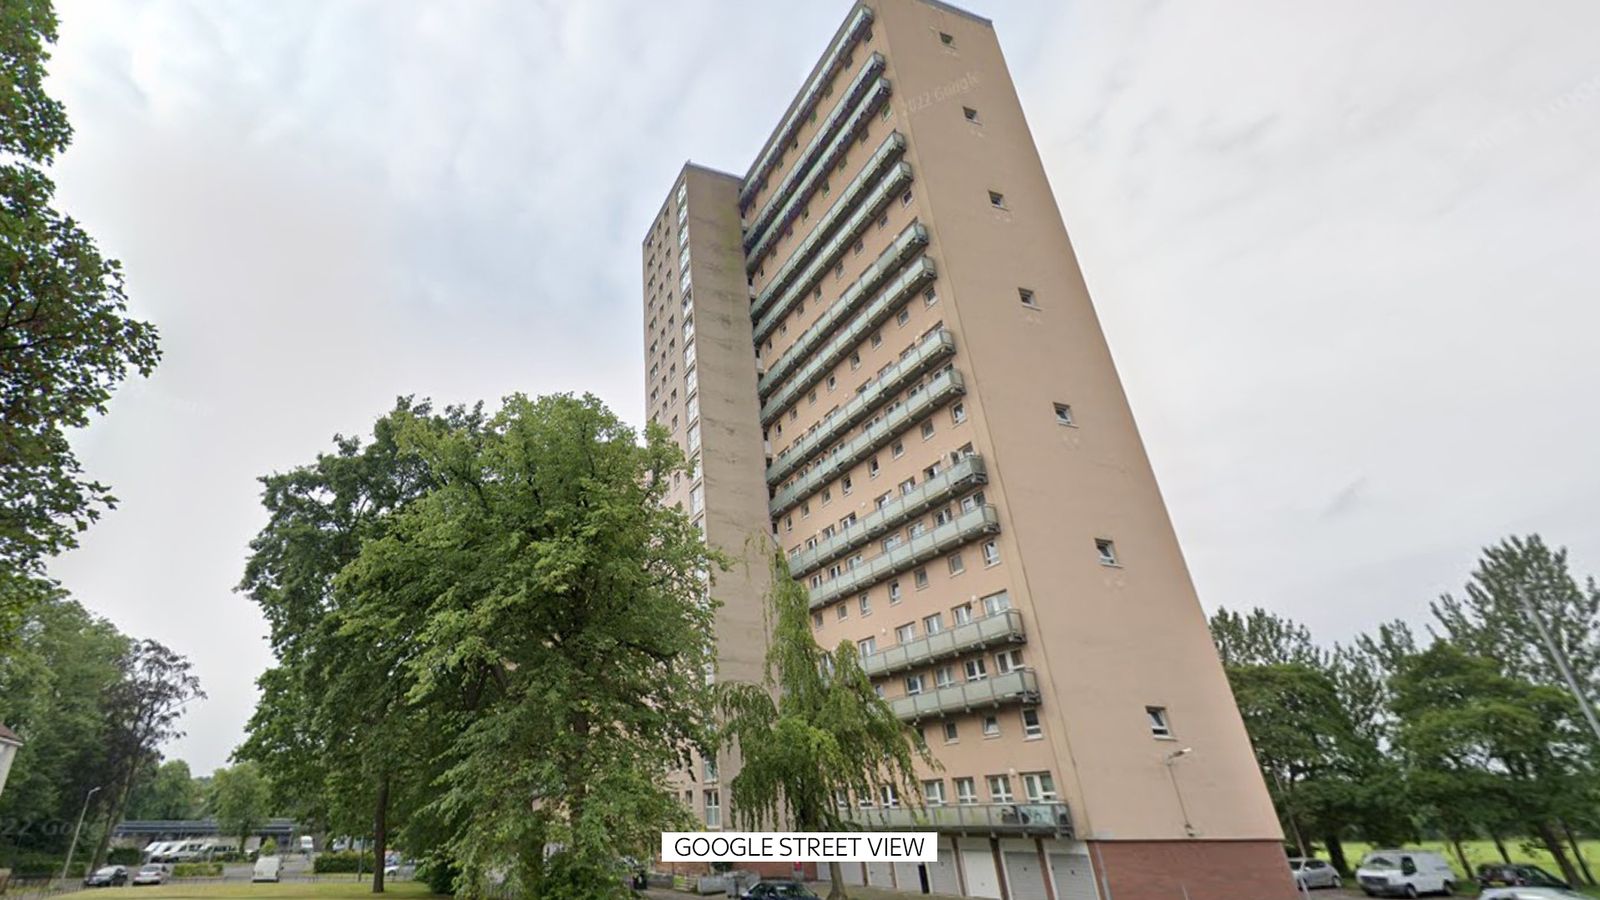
(907, 878)
(878, 874)
(982, 880)
(852, 873)
(1073, 876)
(942, 876)
(1025, 875)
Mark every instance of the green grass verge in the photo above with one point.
(317, 890)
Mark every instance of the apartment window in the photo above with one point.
(970, 114)
(1000, 789)
(846, 485)
(697, 499)
(972, 502)
(872, 467)
(893, 541)
(881, 501)
(867, 646)
(966, 791)
(907, 486)
(991, 726)
(1063, 414)
(832, 383)
(930, 296)
(921, 578)
(708, 768)
(694, 438)
(942, 517)
(946, 39)
(956, 565)
(1027, 298)
(877, 340)
(827, 495)
(1107, 550)
(878, 689)
(933, 624)
(933, 792)
(991, 553)
(894, 592)
(842, 613)
(855, 360)
(976, 669)
(865, 603)
(788, 522)
(997, 603)
(958, 413)
(961, 614)
(997, 200)
(816, 620)
(1030, 723)
(1158, 721)
(890, 795)
(1039, 787)
(713, 809)
(816, 582)
(927, 429)
(841, 798)
(944, 677)
(898, 450)
(902, 317)
(913, 684)
(1007, 661)
(952, 734)
(917, 529)
(906, 633)
(859, 246)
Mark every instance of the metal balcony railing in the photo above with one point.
(969, 472)
(924, 356)
(831, 61)
(862, 200)
(999, 630)
(794, 194)
(880, 274)
(1052, 818)
(964, 529)
(1015, 686)
(943, 387)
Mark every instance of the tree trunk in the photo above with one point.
(1500, 845)
(1461, 855)
(1552, 843)
(380, 834)
(1336, 853)
(836, 876)
(113, 816)
(1577, 852)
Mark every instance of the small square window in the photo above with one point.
(1108, 552)
(970, 113)
(898, 449)
(991, 726)
(865, 601)
(946, 39)
(927, 430)
(1158, 721)
(816, 620)
(921, 578)
(1027, 298)
(958, 413)
(872, 467)
(991, 553)
(1063, 414)
(903, 316)
(842, 613)
(930, 296)
(905, 199)
(997, 200)
(956, 565)
(951, 733)
(894, 592)
(1030, 723)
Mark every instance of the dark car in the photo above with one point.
(778, 890)
(109, 876)
(1517, 875)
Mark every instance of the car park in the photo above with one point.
(1530, 893)
(1314, 873)
(1517, 875)
(153, 873)
(107, 876)
(1405, 873)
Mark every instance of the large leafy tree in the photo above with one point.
(240, 800)
(813, 730)
(553, 614)
(168, 791)
(65, 339)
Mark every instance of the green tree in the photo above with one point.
(240, 799)
(65, 340)
(1261, 638)
(166, 791)
(550, 615)
(813, 730)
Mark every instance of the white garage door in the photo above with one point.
(878, 875)
(1074, 878)
(907, 878)
(942, 878)
(1025, 875)
(982, 880)
(852, 873)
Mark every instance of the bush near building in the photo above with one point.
(343, 861)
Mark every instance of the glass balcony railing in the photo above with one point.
(967, 473)
(877, 275)
(1050, 818)
(999, 630)
(943, 387)
(831, 61)
(962, 530)
(797, 189)
(933, 348)
(1015, 686)
(827, 242)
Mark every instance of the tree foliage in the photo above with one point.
(240, 800)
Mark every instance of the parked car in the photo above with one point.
(154, 873)
(778, 890)
(1314, 873)
(1530, 893)
(268, 868)
(1405, 873)
(107, 876)
(1517, 875)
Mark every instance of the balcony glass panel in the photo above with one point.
(965, 529)
(1052, 818)
(1016, 686)
(999, 630)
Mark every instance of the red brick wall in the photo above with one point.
(1193, 870)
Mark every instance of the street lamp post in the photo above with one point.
(1559, 658)
(1188, 827)
(77, 828)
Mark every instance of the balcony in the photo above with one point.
(924, 356)
(876, 276)
(969, 472)
(1015, 686)
(856, 209)
(802, 181)
(943, 387)
(999, 630)
(1049, 819)
(964, 529)
(781, 138)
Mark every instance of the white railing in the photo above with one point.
(1015, 686)
(1047, 818)
(1002, 628)
(964, 529)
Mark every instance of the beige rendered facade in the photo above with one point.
(879, 349)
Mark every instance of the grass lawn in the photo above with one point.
(317, 890)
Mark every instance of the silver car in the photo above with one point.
(1314, 873)
(1529, 893)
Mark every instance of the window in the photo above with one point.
(946, 39)
(881, 501)
(1007, 661)
(713, 809)
(1039, 787)
(1108, 551)
(867, 646)
(708, 768)
(991, 726)
(956, 565)
(927, 429)
(877, 339)
(843, 612)
(944, 676)
(932, 624)
(846, 485)
(1063, 414)
(905, 199)
(833, 382)
(898, 450)
(1030, 723)
(970, 114)
(841, 798)
(933, 792)
(976, 670)
(972, 502)
(930, 296)
(697, 499)
(958, 414)
(1027, 298)
(893, 541)
(1000, 789)
(907, 486)
(890, 795)
(913, 684)
(991, 553)
(1158, 721)
(920, 577)
(872, 467)
(966, 791)
(906, 633)
(996, 603)
(997, 200)
(894, 592)
(855, 360)
(961, 614)
(816, 620)
(903, 316)
(865, 601)
(951, 733)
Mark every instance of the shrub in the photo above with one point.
(343, 861)
(269, 847)
(439, 873)
(197, 870)
(124, 856)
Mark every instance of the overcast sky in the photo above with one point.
(1337, 249)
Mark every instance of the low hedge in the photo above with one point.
(197, 870)
(342, 861)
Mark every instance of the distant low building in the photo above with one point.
(9, 745)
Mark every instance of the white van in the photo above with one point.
(1405, 873)
(267, 868)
